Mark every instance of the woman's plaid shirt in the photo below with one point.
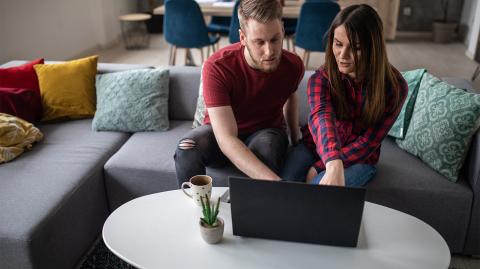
(346, 139)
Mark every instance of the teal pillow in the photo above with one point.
(413, 78)
(443, 122)
(132, 101)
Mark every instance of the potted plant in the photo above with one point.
(211, 226)
(443, 30)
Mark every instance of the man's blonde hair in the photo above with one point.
(262, 11)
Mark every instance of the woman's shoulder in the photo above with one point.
(320, 73)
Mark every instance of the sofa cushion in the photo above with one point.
(52, 199)
(68, 89)
(24, 77)
(201, 109)
(405, 183)
(413, 78)
(443, 122)
(144, 164)
(132, 101)
(183, 93)
(20, 76)
(23, 103)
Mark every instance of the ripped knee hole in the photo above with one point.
(187, 144)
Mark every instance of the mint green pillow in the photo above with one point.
(413, 78)
(132, 101)
(443, 122)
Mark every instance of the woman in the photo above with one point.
(354, 100)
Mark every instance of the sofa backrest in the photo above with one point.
(184, 87)
(183, 94)
(102, 68)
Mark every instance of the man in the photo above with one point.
(250, 93)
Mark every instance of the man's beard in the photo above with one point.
(258, 63)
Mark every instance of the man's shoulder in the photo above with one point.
(227, 55)
(292, 58)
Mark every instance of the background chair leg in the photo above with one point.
(306, 56)
(174, 54)
(201, 55)
(189, 58)
(170, 55)
(476, 73)
(288, 43)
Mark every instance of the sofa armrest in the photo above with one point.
(472, 173)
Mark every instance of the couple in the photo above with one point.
(252, 105)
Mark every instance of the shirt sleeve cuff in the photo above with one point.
(330, 156)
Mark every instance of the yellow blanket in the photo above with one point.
(16, 135)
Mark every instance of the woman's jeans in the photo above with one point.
(300, 159)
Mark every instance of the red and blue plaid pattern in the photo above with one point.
(346, 139)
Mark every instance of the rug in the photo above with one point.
(100, 257)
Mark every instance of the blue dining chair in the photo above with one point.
(233, 35)
(184, 27)
(290, 26)
(313, 24)
(219, 25)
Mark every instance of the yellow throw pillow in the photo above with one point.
(68, 89)
(16, 135)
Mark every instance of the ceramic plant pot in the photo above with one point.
(212, 235)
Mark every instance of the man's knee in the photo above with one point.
(269, 142)
(186, 144)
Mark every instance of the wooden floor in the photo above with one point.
(404, 53)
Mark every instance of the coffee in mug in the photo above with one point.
(199, 186)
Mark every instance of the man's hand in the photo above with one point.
(334, 174)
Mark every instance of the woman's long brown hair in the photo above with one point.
(363, 27)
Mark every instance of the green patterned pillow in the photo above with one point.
(443, 122)
(132, 101)
(200, 110)
(413, 78)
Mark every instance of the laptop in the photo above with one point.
(299, 212)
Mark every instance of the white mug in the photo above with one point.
(199, 186)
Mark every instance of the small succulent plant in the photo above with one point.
(210, 211)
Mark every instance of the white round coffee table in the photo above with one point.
(161, 231)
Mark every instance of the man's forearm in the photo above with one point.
(241, 156)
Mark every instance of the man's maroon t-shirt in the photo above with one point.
(256, 97)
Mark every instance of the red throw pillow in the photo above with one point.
(22, 77)
(22, 103)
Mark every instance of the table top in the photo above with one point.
(161, 231)
(290, 10)
(135, 17)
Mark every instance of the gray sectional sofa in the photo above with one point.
(55, 198)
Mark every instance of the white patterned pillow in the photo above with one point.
(200, 110)
(443, 122)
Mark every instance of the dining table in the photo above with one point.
(387, 10)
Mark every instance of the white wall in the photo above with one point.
(471, 18)
(58, 29)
